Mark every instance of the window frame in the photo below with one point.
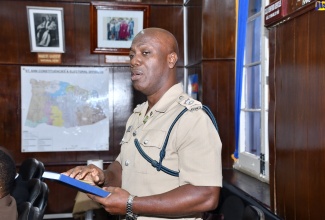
(251, 164)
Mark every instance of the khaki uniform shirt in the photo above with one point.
(194, 146)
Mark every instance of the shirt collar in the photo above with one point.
(164, 102)
(168, 98)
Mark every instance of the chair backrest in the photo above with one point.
(31, 168)
(41, 201)
(34, 207)
(20, 191)
(24, 211)
(253, 213)
(34, 189)
(232, 208)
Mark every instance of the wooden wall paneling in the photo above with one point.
(299, 116)
(74, 15)
(285, 170)
(174, 24)
(8, 46)
(300, 121)
(10, 108)
(194, 30)
(271, 118)
(219, 29)
(218, 69)
(315, 108)
(218, 80)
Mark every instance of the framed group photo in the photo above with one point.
(46, 29)
(113, 26)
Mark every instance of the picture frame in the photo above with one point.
(46, 29)
(113, 26)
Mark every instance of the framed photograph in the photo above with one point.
(113, 26)
(46, 29)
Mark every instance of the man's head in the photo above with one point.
(7, 172)
(153, 57)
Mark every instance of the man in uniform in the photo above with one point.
(164, 170)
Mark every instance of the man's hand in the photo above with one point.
(115, 202)
(91, 174)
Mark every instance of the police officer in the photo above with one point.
(184, 180)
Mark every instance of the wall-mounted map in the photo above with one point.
(64, 109)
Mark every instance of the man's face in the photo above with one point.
(149, 67)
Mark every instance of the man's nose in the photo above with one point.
(135, 61)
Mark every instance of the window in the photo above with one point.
(253, 133)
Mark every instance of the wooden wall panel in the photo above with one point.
(316, 119)
(194, 30)
(158, 15)
(218, 80)
(219, 30)
(218, 69)
(297, 107)
(10, 108)
(81, 36)
(8, 46)
(284, 137)
(271, 119)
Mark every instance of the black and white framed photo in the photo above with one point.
(46, 29)
(113, 26)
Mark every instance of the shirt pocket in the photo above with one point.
(151, 143)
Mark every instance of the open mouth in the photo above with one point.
(135, 75)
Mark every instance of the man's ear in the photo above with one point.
(172, 59)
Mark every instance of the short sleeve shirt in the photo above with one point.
(193, 149)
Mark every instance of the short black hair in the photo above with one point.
(7, 173)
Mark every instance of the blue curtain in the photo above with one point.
(242, 20)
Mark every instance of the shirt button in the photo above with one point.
(134, 133)
(146, 142)
(127, 163)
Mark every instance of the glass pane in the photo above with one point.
(252, 93)
(254, 7)
(253, 41)
(253, 132)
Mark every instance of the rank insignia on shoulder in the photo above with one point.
(191, 104)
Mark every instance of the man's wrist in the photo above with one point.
(129, 212)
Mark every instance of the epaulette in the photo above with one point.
(189, 103)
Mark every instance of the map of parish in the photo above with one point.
(60, 104)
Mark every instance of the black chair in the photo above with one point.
(20, 191)
(38, 194)
(42, 199)
(34, 206)
(232, 208)
(28, 212)
(253, 213)
(31, 168)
